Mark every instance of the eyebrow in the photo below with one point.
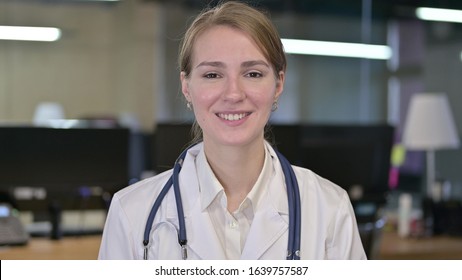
(254, 63)
(244, 64)
(212, 63)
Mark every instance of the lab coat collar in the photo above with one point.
(269, 224)
(206, 177)
(278, 189)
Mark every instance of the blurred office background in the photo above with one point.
(114, 65)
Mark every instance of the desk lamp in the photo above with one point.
(429, 127)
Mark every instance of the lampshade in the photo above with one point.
(429, 124)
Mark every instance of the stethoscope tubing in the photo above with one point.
(182, 240)
(293, 197)
(172, 181)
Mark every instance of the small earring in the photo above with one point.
(275, 106)
(189, 106)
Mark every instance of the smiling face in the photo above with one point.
(231, 86)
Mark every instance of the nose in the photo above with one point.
(234, 90)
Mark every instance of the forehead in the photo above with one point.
(225, 42)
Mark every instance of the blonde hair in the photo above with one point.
(242, 17)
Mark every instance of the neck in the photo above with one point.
(237, 169)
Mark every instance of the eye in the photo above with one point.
(211, 75)
(254, 74)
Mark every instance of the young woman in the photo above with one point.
(232, 184)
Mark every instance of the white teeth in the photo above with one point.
(232, 117)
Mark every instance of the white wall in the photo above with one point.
(104, 64)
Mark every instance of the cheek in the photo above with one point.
(204, 96)
(265, 97)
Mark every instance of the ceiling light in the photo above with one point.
(29, 33)
(307, 47)
(435, 14)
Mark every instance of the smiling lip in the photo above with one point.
(232, 116)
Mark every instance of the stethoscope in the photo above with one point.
(293, 197)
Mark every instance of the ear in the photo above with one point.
(185, 86)
(279, 84)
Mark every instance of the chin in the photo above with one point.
(235, 140)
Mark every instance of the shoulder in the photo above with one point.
(148, 184)
(142, 192)
(312, 184)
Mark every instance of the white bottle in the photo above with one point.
(404, 215)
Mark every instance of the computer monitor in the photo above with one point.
(286, 139)
(56, 159)
(348, 155)
(352, 156)
(169, 140)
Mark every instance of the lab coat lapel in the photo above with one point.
(271, 220)
(202, 239)
(200, 232)
(267, 228)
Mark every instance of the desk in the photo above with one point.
(67, 248)
(392, 247)
(440, 247)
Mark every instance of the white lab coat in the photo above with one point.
(329, 229)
